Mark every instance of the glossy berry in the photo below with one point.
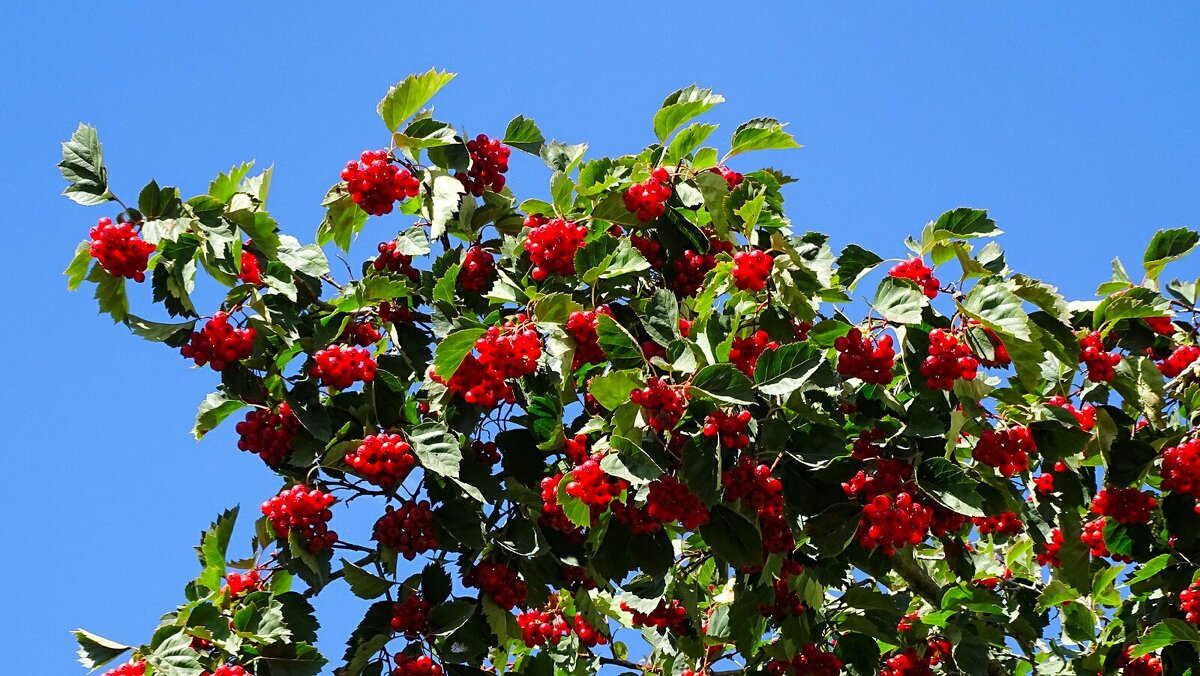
(891, 523)
(502, 353)
(583, 325)
(786, 603)
(732, 178)
(907, 663)
(1125, 505)
(230, 670)
(812, 661)
(666, 617)
(499, 582)
(304, 512)
(553, 516)
(552, 245)
(539, 627)
(478, 269)
(751, 269)
(948, 361)
(1086, 414)
(408, 529)
(1163, 326)
(1099, 363)
(1146, 665)
(396, 311)
(1004, 523)
(1189, 603)
(384, 460)
(729, 430)
(577, 449)
(1048, 554)
(486, 452)
(690, 268)
(592, 486)
(1092, 535)
(662, 405)
(669, 501)
(1181, 468)
(131, 669)
(219, 343)
(268, 434)
(361, 333)
(421, 665)
(250, 270)
(648, 200)
(391, 260)
(375, 184)
(859, 357)
(744, 352)
(340, 366)
(915, 269)
(1005, 449)
(411, 616)
(243, 583)
(650, 249)
(1000, 357)
(120, 249)
(489, 163)
(1179, 360)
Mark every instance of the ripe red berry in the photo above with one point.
(1146, 665)
(812, 661)
(907, 663)
(499, 582)
(730, 430)
(948, 361)
(340, 366)
(305, 512)
(1179, 360)
(268, 434)
(744, 352)
(690, 268)
(509, 351)
(384, 460)
(553, 516)
(361, 332)
(120, 249)
(669, 501)
(219, 343)
(229, 670)
(1092, 535)
(751, 269)
(648, 200)
(552, 245)
(1125, 505)
(1086, 414)
(731, 177)
(1004, 523)
(489, 163)
(1181, 468)
(1163, 326)
(393, 261)
(242, 583)
(666, 617)
(753, 485)
(421, 665)
(411, 616)
(1190, 603)
(396, 312)
(375, 184)
(1005, 449)
(1099, 363)
(132, 669)
(539, 627)
(592, 486)
(486, 452)
(650, 249)
(662, 405)
(914, 269)
(478, 268)
(1048, 556)
(582, 327)
(251, 267)
(859, 357)
(409, 530)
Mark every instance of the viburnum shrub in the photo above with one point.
(591, 442)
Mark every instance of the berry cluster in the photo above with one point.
(250, 270)
(691, 267)
(1006, 449)
(411, 616)
(477, 270)
(120, 250)
(393, 261)
(577, 449)
(1048, 556)
(499, 582)
(751, 269)
(1092, 535)
(666, 617)
(669, 501)
(744, 352)
(732, 178)
(383, 460)
(268, 434)
(242, 583)
(1005, 523)
(552, 245)
(422, 665)
(553, 516)
(1146, 665)
(340, 366)
(752, 484)
(860, 357)
(948, 361)
(648, 200)
(812, 661)
(893, 523)
(592, 486)
(131, 669)
(396, 312)
(582, 327)
(1179, 360)
(409, 529)
(489, 163)
(219, 343)
(510, 351)
(650, 249)
(864, 446)
(375, 184)
(915, 269)
(1125, 505)
(662, 405)
(486, 452)
(229, 670)
(1086, 414)
(304, 511)
(1189, 603)
(730, 430)
(908, 663)
(1043, 484)
(1181, 468)
(1163, 326)
(541, 626)
(361, 332)
(787, 603)
(1099, 363)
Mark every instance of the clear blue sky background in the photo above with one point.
(1075, 125)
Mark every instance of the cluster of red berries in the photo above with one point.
(553, 516)
(120, 250)
(890, 476)
(250, 270)
(396, 311)
(1163, 326)
(1005, 523)
(1181, 468)
(229, 670)
(1048, 556)
(582, 327)
(552, 245)
(539, 627)
(648, 200)
(489, 163)
(730, 430)
(1086, 414)
(1000, 357)
(340, 366)
(1190, 603)
(864, 446)
(650, 249)
(1043, 484)
(948, 361)
(219, 343)
(411, 616)
(477, 270)
(915, 269)
(422, 665)
(393, 261)
(383, 460)
(1146, 665)
(408, 529)
(304, 511)
(860, 357)
(1092, 535)
(131, 669)
(691, 267)
(577, 449)
(751, 269)
(499, 582)
(744, 352)
(486, 452)
(1179, 360)
(509, 351)
(666, 617)
(242, 583)
(753, 485)
(787, 603)
(909, 663)
(669, 500)
(1005, 449)
(662, 405)
(268, 434)
(732, 178)
(893, 523)
(1099, 363)
(361, 332)
(375, 184)
(812, 661)
(1125, 505)
(592, 486)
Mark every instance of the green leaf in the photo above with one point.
(732, 537)
(1055, 594)
(156, 203)
(174, 335)
(962, 223)
(413, 241)
(899, 300)
(761, 133)
(662, 317)
(445, 618)
(1167, 246)
(214, 544)
(1042, 295)
(613, 390)
(343, 220)
(447, 194)
(307, 260)
(781, 371)
(555, 308)
(436, 448)
(454, 348)
(1168, 632)
(78, 268)
(562, 156)
(443, 290)
(992, 304)
(1135, 303)
(616, 342)
(96, 651)
(110, 293)
(523, 134)
(855, 262)
(575, 509)
(950, 485)
(363, 584)
(833, 529)
(175, 657)
(407, 97)
(686, 141)
(681, 106)
(625, 260)
(426, 133)
(82, 166)
(223, 187)
(215, 408)
(723, 383)
(1150, 568)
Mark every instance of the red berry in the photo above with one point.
(582, 327)
(1099, 363)
(1086, 415)
(1146, 665)
(251, 267)
(422, 665)
(1125, 505)
(1092, 535)
(242, 583)
(219, 343)
(131, 669)
(662, 405)
(648, 200)
(731, 177)
(914, 269)
(1190, 603)
(268, 434)
(361, 332)
(859, 357)
(744, 352)
(666, 617)
(229, 670)
(499, 582)
(305, 512)
(1005, 449)
(1163, 326)
(592, 486)
(1181, 468)
(552, 245)
(1049, 554)
(339, 366)
(1179, 360)
(478, 268)
(409, 530)
(730, 430)
(411, 616)
(489, 163)
(486, 452)
(751, 269)
(393, 261)
(506, 352)
(690, 269)
(1004, 523)
(812, 661)
(375, 184)
(384, 460)
(120, 250)
(948, 360)
(650, 249)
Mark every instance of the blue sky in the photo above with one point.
(1074, 124)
